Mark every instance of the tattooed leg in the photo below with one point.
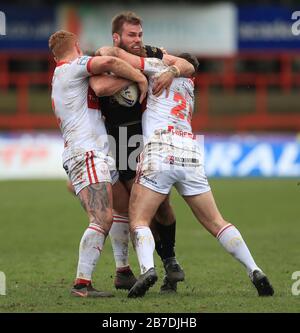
(96, 199)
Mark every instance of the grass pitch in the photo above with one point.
(41, 226)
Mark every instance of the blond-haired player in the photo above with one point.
(85, 156)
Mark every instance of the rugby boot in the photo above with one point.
(124, 279)
(261, 283)
(168, 287)
(174, 273)
(143, 283)
(87, 290)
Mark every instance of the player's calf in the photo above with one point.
(96, 199)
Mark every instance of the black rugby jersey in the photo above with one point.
(118, 115)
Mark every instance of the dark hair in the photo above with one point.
(124, 17)
(191, 59)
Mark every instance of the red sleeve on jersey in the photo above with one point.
(61, 63)
(88, 65)
(142, 63)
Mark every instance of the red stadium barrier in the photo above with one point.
(23, 118)
(229, 79)
(261, 118)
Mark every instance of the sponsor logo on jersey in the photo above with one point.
(83, 60)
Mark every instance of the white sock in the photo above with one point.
(90, 248)
(119, 236)
(144, 247)
(232, 241)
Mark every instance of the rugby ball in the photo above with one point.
(127, 96)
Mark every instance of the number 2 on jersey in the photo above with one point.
(178, 111)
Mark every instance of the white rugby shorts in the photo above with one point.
(161, 166)
(90, 168)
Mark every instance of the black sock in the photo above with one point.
(166, 233)
(158, 247)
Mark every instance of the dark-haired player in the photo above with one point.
(124, 123)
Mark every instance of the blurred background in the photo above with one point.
(247, 87)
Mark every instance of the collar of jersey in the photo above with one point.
(62, 63)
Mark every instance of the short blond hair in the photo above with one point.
(61, 42)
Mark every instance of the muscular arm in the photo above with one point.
(114, 51)
(186, 69)
(117, 66)
(165, 79)
(107, 85)
(120, 68)
(178, 67)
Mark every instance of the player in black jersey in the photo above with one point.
(122, 124)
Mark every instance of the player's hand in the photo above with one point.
(98, 52)
(103, 51)
(164, 51)
(143, 86)
(163, 82)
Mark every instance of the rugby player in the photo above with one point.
(85, 156)
(123, 123)
(172, 156)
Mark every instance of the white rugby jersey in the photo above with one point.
(77, 109)
(174, 112)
